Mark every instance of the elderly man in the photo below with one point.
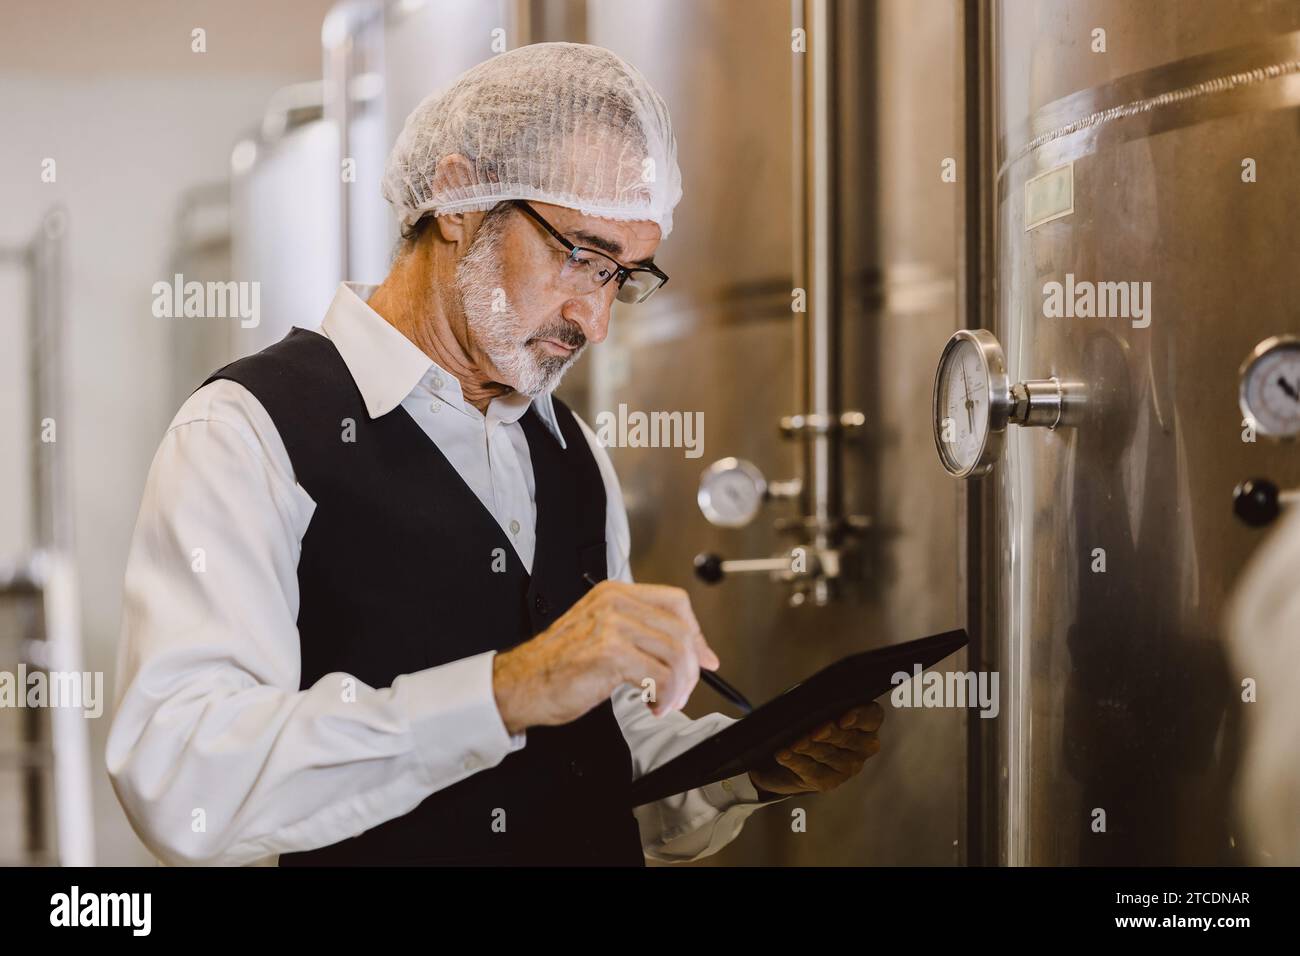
(367, 619)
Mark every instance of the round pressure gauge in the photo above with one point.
(971, 403)
(1270, 387)
(731, 492)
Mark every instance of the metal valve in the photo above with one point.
(712, 568)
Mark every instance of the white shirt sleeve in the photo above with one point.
(1263, 622)
(687, 826)
(215, 753)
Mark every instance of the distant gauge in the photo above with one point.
(1270, 387)
(731, 492)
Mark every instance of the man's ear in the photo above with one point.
(453, 228)
(454, 171)
(459, 228)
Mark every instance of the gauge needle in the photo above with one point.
(1288, 388)
(970, 416)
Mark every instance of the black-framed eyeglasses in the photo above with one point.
(585, 269)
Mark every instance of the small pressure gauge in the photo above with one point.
(971, 403)
(731, 492)
(1270, 387)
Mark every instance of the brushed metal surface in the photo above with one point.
(1117, 694)
(720, 339)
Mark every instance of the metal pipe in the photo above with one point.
(821, 250)
(817, 266)
(799, 265)
(975, 245)
(52, 514)
(350, 38)
(49, 572)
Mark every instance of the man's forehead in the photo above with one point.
(633, 241)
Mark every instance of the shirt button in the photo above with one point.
(437, 381)
(434, 406)
(470, 762)
(726, 785)
(514, 526)
(539, 602)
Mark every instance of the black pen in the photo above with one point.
(709, 677)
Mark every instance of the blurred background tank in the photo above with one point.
(305, 204)
(722, 338)
(285, 218)
(200, 251)
(1102, 555)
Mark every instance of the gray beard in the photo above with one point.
(495, 326)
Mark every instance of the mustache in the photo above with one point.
(565, 334)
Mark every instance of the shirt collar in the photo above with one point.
(387, 367)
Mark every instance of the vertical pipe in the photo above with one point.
(799, 265)
(823, 246)
(984, 824)
(818, 265)
(338, 67)
(49, 503)
(52, 517)
(70, 739)
(350, 40)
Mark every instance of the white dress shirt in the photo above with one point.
(214, 752)
(1263, 631)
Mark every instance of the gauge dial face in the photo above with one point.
(1270, 387)
(731, 492)
(968, 403)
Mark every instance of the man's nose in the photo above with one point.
(591, 314)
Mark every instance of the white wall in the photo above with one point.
(131, 124)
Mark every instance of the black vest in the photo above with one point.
(396, 574)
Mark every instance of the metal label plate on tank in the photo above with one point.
(1049, 196)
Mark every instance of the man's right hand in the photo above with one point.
(616, 633)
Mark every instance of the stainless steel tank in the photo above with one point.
(721, 339)
(200, 251)
(284, 219)
(429, 43)
(1102, 554)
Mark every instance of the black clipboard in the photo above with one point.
(783, 720)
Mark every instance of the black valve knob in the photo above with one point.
(1255, 501)
(708, 568)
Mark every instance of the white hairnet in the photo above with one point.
(562, 123)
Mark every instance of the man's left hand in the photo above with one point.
(825, 758)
